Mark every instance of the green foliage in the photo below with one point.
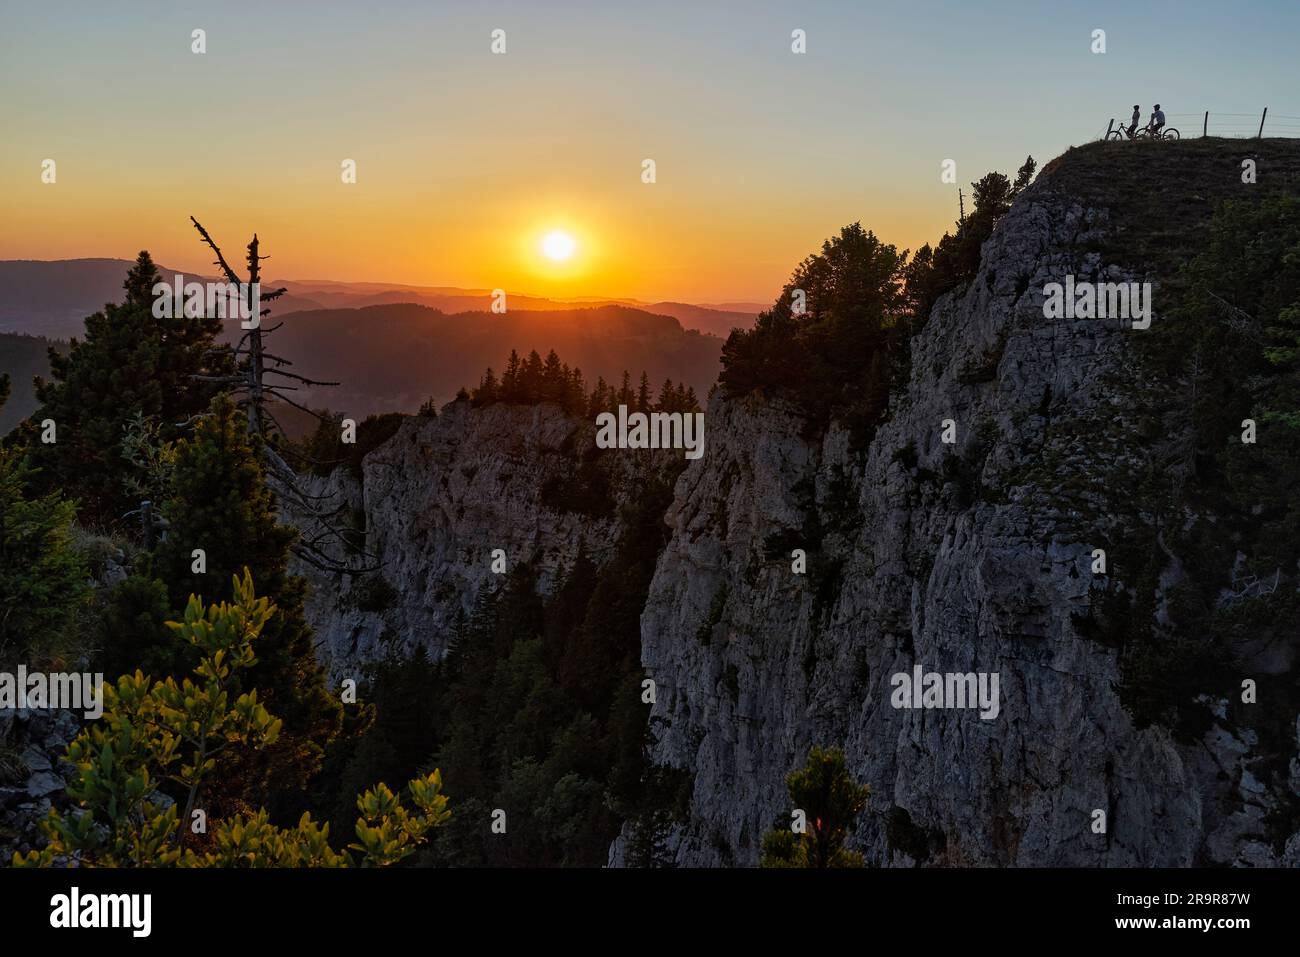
(955, 259)
(158, 733)
(150, 457)
(534, 380)
(129, 365)
(831, 802)
(586, 490)
(132, 630)
(221, 504)
(838, 358)
(324, 449)
(389, 738)
(536, 709)
(42, 576)
(1227, 351)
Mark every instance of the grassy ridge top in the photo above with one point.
(1161, 195)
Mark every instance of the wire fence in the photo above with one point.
(1233, 125)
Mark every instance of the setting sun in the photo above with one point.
(558, 245)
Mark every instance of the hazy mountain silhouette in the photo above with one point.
(23, 357)
(52, 298)
(393, 357)
(391, 347)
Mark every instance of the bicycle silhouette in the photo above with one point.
(1145, 133)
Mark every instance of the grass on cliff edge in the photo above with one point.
(1161, 195)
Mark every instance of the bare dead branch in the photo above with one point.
(293, 375)
(221, 259)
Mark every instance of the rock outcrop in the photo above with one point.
(971, 557)
(33, 772)
(437, 500)
(975, 556)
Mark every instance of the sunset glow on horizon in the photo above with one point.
(465, 161)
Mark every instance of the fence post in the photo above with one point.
(1205, 127)
(1261, 124)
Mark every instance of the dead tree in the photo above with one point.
(253, 364)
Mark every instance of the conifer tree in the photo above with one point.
(600, 398)
(510, 379)
(129, 364)
(643, 394)
(222, 505)
(553, 378)
(158, 735)
(667, 397)
(531, 378)
(831, 802)
(488, 390)
(575, 401)
(42, 577)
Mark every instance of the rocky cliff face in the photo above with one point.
(971, 557)
(974, 556)
(436, 501)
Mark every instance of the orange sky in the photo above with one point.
(465, 158)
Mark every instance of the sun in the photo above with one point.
(558, 245)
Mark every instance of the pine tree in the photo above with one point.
(643, 394)
(532, 379)
(600, 398)
(130, 363)
(625, 394)
(42, 577)
(510, 379)
(667, 397)
(831, 802)
(222, 505)
(575, 400)
(121, 767)
(553, 379)
(488, 390)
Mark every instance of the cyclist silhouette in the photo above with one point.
(1157, 121)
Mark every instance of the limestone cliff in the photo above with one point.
(432, 505)
(967, 558)
(975, 556)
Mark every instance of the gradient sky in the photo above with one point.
(466, 158)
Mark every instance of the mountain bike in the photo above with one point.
(1143, 133)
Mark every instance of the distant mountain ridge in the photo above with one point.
(23, 357)
(52, 297)
(392, 357)
(389, 347)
